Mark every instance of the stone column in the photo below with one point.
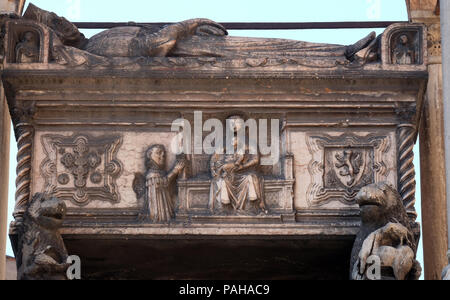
(432, 155)
(445, 33)
(6, 7)
(5, 128)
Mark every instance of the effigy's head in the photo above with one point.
(66, 31)
(47, 211)
(156, 154)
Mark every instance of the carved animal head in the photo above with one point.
(380, 203)
(47, 212)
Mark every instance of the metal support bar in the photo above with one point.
(253, 26)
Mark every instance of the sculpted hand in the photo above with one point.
(229, 168)
(204, 27)
(180, 166)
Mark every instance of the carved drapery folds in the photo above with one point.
(153, 188)
(341, 165)
(385, 247)
(237, 185)
(202, 43)
(81, 168)
(273, 193)
(42, 36)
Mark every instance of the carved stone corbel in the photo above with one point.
(42, 254)
(385, 247)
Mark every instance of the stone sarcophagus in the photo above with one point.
(97, 123)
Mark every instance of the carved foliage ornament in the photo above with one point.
(434, 40)
(342, 165)
(81, 168)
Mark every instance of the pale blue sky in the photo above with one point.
(232, 11)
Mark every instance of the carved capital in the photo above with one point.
(434, 42)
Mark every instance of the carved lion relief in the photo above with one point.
(342, 165)
(81, 168)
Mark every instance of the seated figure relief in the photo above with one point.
(190, 38)
(236, 185)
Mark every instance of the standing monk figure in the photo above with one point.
(159, 201)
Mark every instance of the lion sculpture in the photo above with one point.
(386, 234)
(42, 253)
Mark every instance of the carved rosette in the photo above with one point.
(342, 165)
(406, 134)
(81, 168)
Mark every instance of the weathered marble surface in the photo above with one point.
(84, 122)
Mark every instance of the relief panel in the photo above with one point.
(342, 165)
(81, 168)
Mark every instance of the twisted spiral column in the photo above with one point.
(406, 173)
(24, 133)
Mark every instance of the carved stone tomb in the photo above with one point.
(93, 122)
